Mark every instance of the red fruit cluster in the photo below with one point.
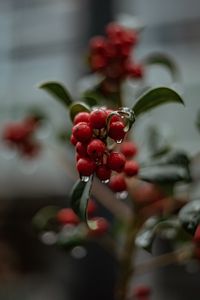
(110, 56)
(20, 135)
(90, 135)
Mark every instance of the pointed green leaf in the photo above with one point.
(77, 107)
(154, 98)
(164, 61)
(164, 174)
(189, 215)
(58, 91)
(80, 195)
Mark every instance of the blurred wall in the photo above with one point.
(172, 27)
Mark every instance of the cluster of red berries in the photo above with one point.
(20, 135)
(100, 225)
(90, 135)
(110, 56)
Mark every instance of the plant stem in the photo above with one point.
(126, 268)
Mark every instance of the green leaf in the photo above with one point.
(154, 226)
(45, 217)
(77, 107)
(92, 97)
(57, 90)
(154, 98)
(168, 169)
(189, 216)
(80, 195)
(164, 174)
(165, 61)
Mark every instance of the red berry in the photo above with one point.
(91, 208)
(82, 132)
(117, 183)
(85, 166)
(98, 62)
(116, 131)
(197, 235)
(136, 71)
(98, 226)
(98, 118)
(96, 148)
(81, 149)
(67, 216)
(98, 44)
(142, 291)
(73, 140)
(116, 161)
(131, 168)
(129, 149)
(15, 132)
(103, 172)
(114, 30)
(82, 117)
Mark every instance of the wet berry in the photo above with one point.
(81, 149)
(96, 148)
(82, 132)
(85, 166)
(116, 131)
(98, 118)
(82, 117)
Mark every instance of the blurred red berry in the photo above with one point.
(92, 207)
(129, 149)
(117, 183)
(197, 235)
(98, 44)
(141, 291)
(136, 71)
(131, 168)
(98, 226)
(67, 216)
(103, 172)
(98, 62)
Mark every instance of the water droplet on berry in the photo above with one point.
(105, 181)
(122, 195)
(119, 141)
(85, 178)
